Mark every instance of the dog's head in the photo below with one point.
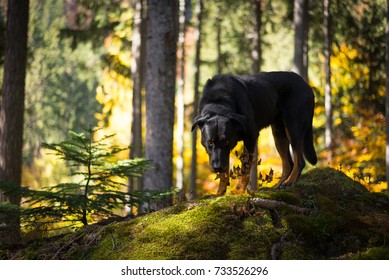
(219, 135)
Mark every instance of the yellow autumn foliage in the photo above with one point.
(115, 89)
(359, 133)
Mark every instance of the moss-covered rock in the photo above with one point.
(343, 221)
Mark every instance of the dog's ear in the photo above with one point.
(238, 118)
(208, 83)
(199, 121)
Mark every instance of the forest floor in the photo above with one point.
(326, 215)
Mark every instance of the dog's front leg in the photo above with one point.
(244, 177)
(224, 182)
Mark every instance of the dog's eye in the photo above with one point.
(211, 142)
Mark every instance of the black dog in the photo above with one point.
(235, 108)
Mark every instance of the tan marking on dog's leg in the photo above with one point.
(244, 177)
(282, 145)
(254, 173)
(295, 174)
(286, 172)
(242, 184)
(224, 182)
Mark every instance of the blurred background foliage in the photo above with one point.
(79, 77)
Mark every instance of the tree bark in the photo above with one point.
(300, 19)
(327, 87)
(273, 204)
(160, 90)
(219, 20)
(256, 67)
(180, 98)
(387, 94)
(137, 100)
(193, 166)
(256, 52)
(12, 104)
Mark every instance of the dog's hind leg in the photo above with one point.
(282, 145)
(299, 163)
(295, 131)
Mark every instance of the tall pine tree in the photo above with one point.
(12, 107)
(387, 94)
(196, 97)
(300, 19)
(160, 90)
(327, 87)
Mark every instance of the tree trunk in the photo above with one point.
(12, 105)
(256, 56)
(306, 36)
(300, 19)
(256, 52)
(327, 87)
(219, 20)
(387, 94)
(137, 77)
(180, 99)
(160, 90)
(193, 166)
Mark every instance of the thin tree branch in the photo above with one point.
(273, 204)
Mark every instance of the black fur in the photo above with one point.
(236, 108)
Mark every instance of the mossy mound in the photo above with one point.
(340, 219)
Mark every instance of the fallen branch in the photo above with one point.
(65, 247)
(273, 204)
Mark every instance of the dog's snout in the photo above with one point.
(218, 169)
(217, 165)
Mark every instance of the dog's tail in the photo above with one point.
(309, 149)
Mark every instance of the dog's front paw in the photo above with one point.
(288, 183)
(237, 190)
(242, 184)
(283, 184)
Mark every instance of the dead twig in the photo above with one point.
(89, 236)
(67, 245)
(273, 204)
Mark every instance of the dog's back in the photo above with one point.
(297, 100)
(284, 83)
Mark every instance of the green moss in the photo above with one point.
(345, 221)
(330, 182)
(285, 196)
(254, 239)
(294, 250)
(345, 217)
(374, 253)
(210, 230)
(199, 233)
